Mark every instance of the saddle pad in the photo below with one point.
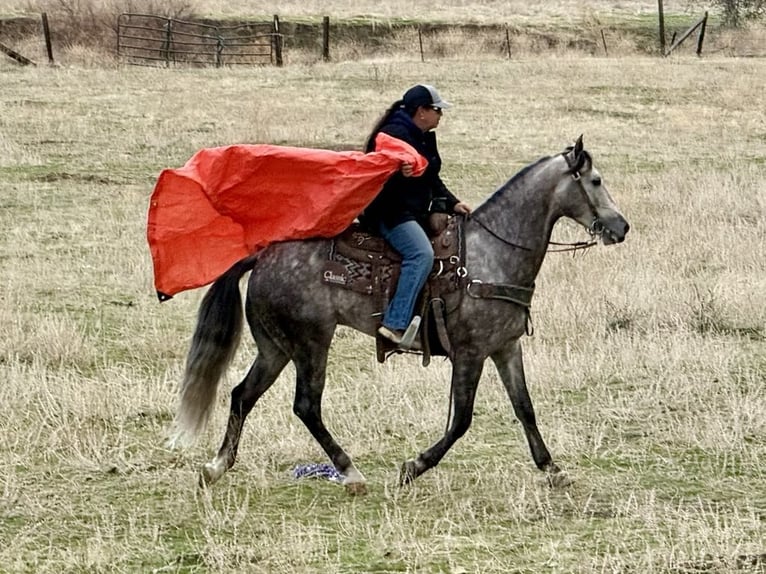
(360, 276)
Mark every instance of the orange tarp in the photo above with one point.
(228, 202)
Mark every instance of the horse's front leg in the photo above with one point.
(466, 372)
(510, 366)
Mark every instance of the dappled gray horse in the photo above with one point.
(293, 315)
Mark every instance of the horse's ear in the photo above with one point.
(578, 147)
(578, 157)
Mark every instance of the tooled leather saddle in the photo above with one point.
(367, 264)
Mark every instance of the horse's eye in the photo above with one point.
(596, 181)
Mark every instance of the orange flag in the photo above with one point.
(228, 202)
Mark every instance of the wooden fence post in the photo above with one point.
(47, 34)
(277, 41)
(219, 46)
(326, 39)
(662, 27)
(165, 49)
(16, 56)
(701, 37)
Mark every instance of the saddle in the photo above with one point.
(367, 264)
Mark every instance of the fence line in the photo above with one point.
(147, 39)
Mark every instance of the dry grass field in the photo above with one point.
(647, 367)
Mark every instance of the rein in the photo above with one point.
(496, 236)
(576, 246)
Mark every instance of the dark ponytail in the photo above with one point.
(369, 144)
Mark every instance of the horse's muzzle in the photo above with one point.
(611, 229)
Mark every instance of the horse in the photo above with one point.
(292, 316)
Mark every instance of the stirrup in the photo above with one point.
(409, 335)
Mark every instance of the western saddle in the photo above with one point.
(367, 264)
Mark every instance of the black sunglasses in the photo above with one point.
(437, 109)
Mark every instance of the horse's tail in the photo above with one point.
(216, 338)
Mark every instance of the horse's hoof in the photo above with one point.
(408, 472)
(356, 488)
(208, 475)
(559, 479)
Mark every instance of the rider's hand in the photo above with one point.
(407, 170)
(462, 208)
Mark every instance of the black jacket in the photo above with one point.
(410, 198)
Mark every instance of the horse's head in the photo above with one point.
(581, 195)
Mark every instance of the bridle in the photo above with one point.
(595, 230)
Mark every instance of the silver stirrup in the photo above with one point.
(409, 335)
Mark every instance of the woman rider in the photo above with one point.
(400, 211)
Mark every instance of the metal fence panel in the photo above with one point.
(147, 39)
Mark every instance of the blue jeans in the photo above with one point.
(412, 243)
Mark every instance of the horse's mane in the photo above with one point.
(514, 183)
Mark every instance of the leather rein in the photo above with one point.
(575, 246)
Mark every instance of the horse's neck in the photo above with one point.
(519, 217)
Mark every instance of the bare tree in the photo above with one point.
(735, 13)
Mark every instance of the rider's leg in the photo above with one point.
(412, 243)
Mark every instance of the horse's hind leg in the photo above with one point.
(260, 377)
(510, 366)
(310, 365)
